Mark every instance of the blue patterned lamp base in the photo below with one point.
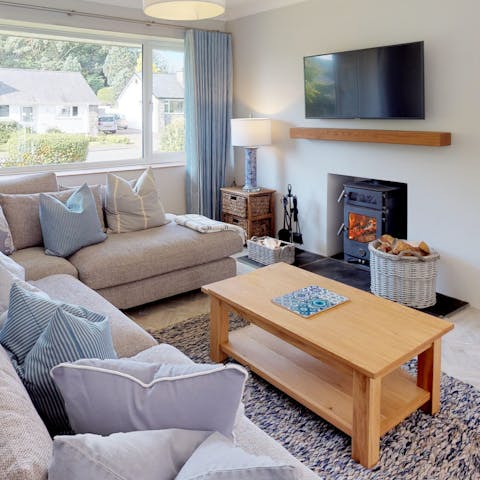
(251, 170)
(309, 301)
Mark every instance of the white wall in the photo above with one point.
(170, 180)
(442, 182)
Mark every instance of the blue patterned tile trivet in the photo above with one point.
(309, 300)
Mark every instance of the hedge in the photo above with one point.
(7, 128)
(45, 148)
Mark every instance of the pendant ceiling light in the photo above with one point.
(183, 9)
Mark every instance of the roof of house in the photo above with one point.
(164, 85)
(167, 85)
(33, 87)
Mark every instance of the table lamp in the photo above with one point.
(251, 133)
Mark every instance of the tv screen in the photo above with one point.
(383, 82)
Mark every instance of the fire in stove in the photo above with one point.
(361, 228)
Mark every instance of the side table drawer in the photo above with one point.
(234, 204)
(260, 228)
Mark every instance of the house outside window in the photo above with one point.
(68, 111)
(63, 77)
(27, 114)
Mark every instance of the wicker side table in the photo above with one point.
(254, 211)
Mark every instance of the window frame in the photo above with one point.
(7, 109)
(147, 45)
(71, 111)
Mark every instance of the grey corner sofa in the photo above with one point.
(25, 445)
(128, 269)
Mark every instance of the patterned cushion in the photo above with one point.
(67, 227)
(149, 396)
(128, 208)
(65, 339)
(29, 313)
(6, 240)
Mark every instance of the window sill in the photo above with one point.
(125, 168)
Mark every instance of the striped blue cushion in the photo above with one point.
(67, 227)
(66, 338)
(29, 313)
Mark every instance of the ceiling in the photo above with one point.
(235, 8)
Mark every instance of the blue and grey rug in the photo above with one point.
(443, 447)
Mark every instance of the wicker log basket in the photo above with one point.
(409, 280)
(266, 256)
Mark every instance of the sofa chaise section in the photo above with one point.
(130, 269)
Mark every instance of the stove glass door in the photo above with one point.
(361, 228)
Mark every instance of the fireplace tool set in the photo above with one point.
(291, 225)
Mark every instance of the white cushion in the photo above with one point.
(149, 396)
(218, 459)
(143, 455)
(128, 208)
(11, 272)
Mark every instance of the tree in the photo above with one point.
(173, 136)
(106, 95)
(71, 64)
(119, 67)
(55, 55)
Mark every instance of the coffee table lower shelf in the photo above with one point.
(325, 390)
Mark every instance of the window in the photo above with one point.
(168, 121)
(27, 114)
(68, 111)
(79, 83)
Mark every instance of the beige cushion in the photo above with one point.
(25, 445)
(38, 265)
(33, 183)
(128, 208)
(21, 212)
(128, 337)
(128, 257)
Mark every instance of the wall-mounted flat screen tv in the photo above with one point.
(383, 82)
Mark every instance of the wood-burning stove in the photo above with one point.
(371, 208)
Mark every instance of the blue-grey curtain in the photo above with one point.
(208, 109)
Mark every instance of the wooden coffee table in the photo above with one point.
(343, 363)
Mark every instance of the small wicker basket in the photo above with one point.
(266, 256)
(410, 281)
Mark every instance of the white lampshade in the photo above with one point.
(183, 9)
(251, 132)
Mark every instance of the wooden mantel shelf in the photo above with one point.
(403, 137)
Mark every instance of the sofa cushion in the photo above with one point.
(217, 458)
(149, 396)
(21, 212)
(32, 183)
(38, 265)
(128, 338)
(132, 256)
(131, 208)
(69, 226)
(122, 455)
(25, 445)
(6, 240)
(10, 273)
(29, 314)
(66, 338)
